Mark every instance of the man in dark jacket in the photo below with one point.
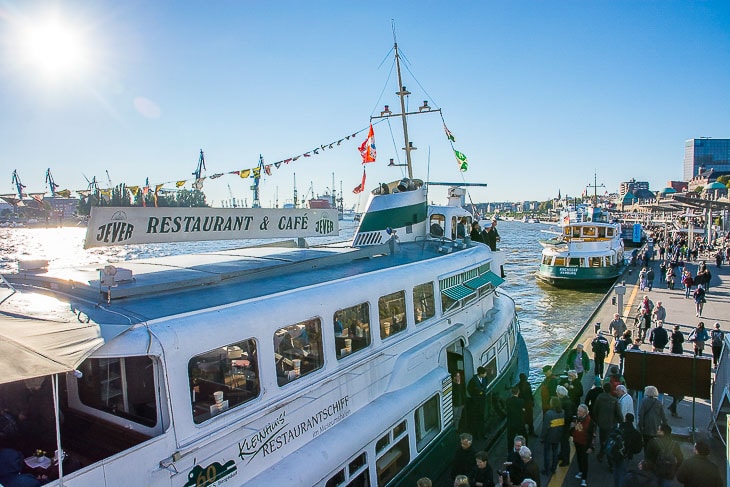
(600, 348)
(663, 442)
(477, 389)
(659, 338)
(465, 457)
(608, 413)
(698, 470)
(515, 417)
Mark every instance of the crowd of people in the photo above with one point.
(628, 432)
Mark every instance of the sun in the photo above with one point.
(53, 47)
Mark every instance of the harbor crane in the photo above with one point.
(233, 199)
(18, 184)
(51, 183)
(256, 180)
(198, 184)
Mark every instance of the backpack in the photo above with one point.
(634, 442)
(717, 337)
(615, 448)
(666, 463)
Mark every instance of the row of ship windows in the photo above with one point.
(582, 231)
(392, 449)
(228, 376)
(601, 261)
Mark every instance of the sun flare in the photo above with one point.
(53, 47)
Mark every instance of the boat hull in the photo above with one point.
(578, 276)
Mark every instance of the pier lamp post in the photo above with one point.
(620, 290)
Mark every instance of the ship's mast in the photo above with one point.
(402, 93)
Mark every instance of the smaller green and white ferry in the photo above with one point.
(588, 250)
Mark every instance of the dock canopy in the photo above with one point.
(30, 347)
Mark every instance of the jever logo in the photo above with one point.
(117, 230)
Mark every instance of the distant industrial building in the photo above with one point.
(65, 207)
(704, 154)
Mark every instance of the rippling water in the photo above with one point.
(549, 317)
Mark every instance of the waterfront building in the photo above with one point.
(704, 154)
(632, 186)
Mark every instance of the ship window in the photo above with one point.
(453, 228)
(392, 461)
(231, 370)
(574, 262)
(362, 480)
(382, 443)
(357, 463)
(123, 386)
(567, 231)
(559, 261)
(436, 225)
(609, 232)
(427, 422)
(355, 475)
(336, 480)
(589, 231)
(298, 350)
(595, 261)
(602, 232)
(423, 302)
(392, 313)
(352, 329)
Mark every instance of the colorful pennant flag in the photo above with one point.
(361, 187)
(367, 148)
(461, 160)
(180, 184)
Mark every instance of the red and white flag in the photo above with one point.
(367, 149)
(359, 189)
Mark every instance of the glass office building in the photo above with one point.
(706, 154)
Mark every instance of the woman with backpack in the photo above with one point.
(699, 297)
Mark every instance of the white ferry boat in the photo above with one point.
(261, 366)
(587, 250)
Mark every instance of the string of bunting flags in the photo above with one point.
(367, 151)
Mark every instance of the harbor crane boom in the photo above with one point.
(51, 183)
(18, 184)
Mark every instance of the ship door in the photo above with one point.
(456, 367)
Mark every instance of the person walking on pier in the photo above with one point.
(699, 297)
(717, 336)
(698, 470)
(698, 337)
(650, 278)
(617, 327)
(578, 360)
(645, 309)
(677, 339)
(687, 282)
(552, 430)
(477, 389)
(651, 414)
(607, 414)
(659, 338)
(582, 429)
(665, 454)
(527, 396)
(548, 387)
(600, 348)
(659, 313)
(515, 407)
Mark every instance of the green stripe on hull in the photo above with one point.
(393, 217)
(579, 273)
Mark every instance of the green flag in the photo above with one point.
(449, 135)
(461, 160)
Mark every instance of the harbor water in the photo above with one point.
(549, 317)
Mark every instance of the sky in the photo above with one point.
(541, 96)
